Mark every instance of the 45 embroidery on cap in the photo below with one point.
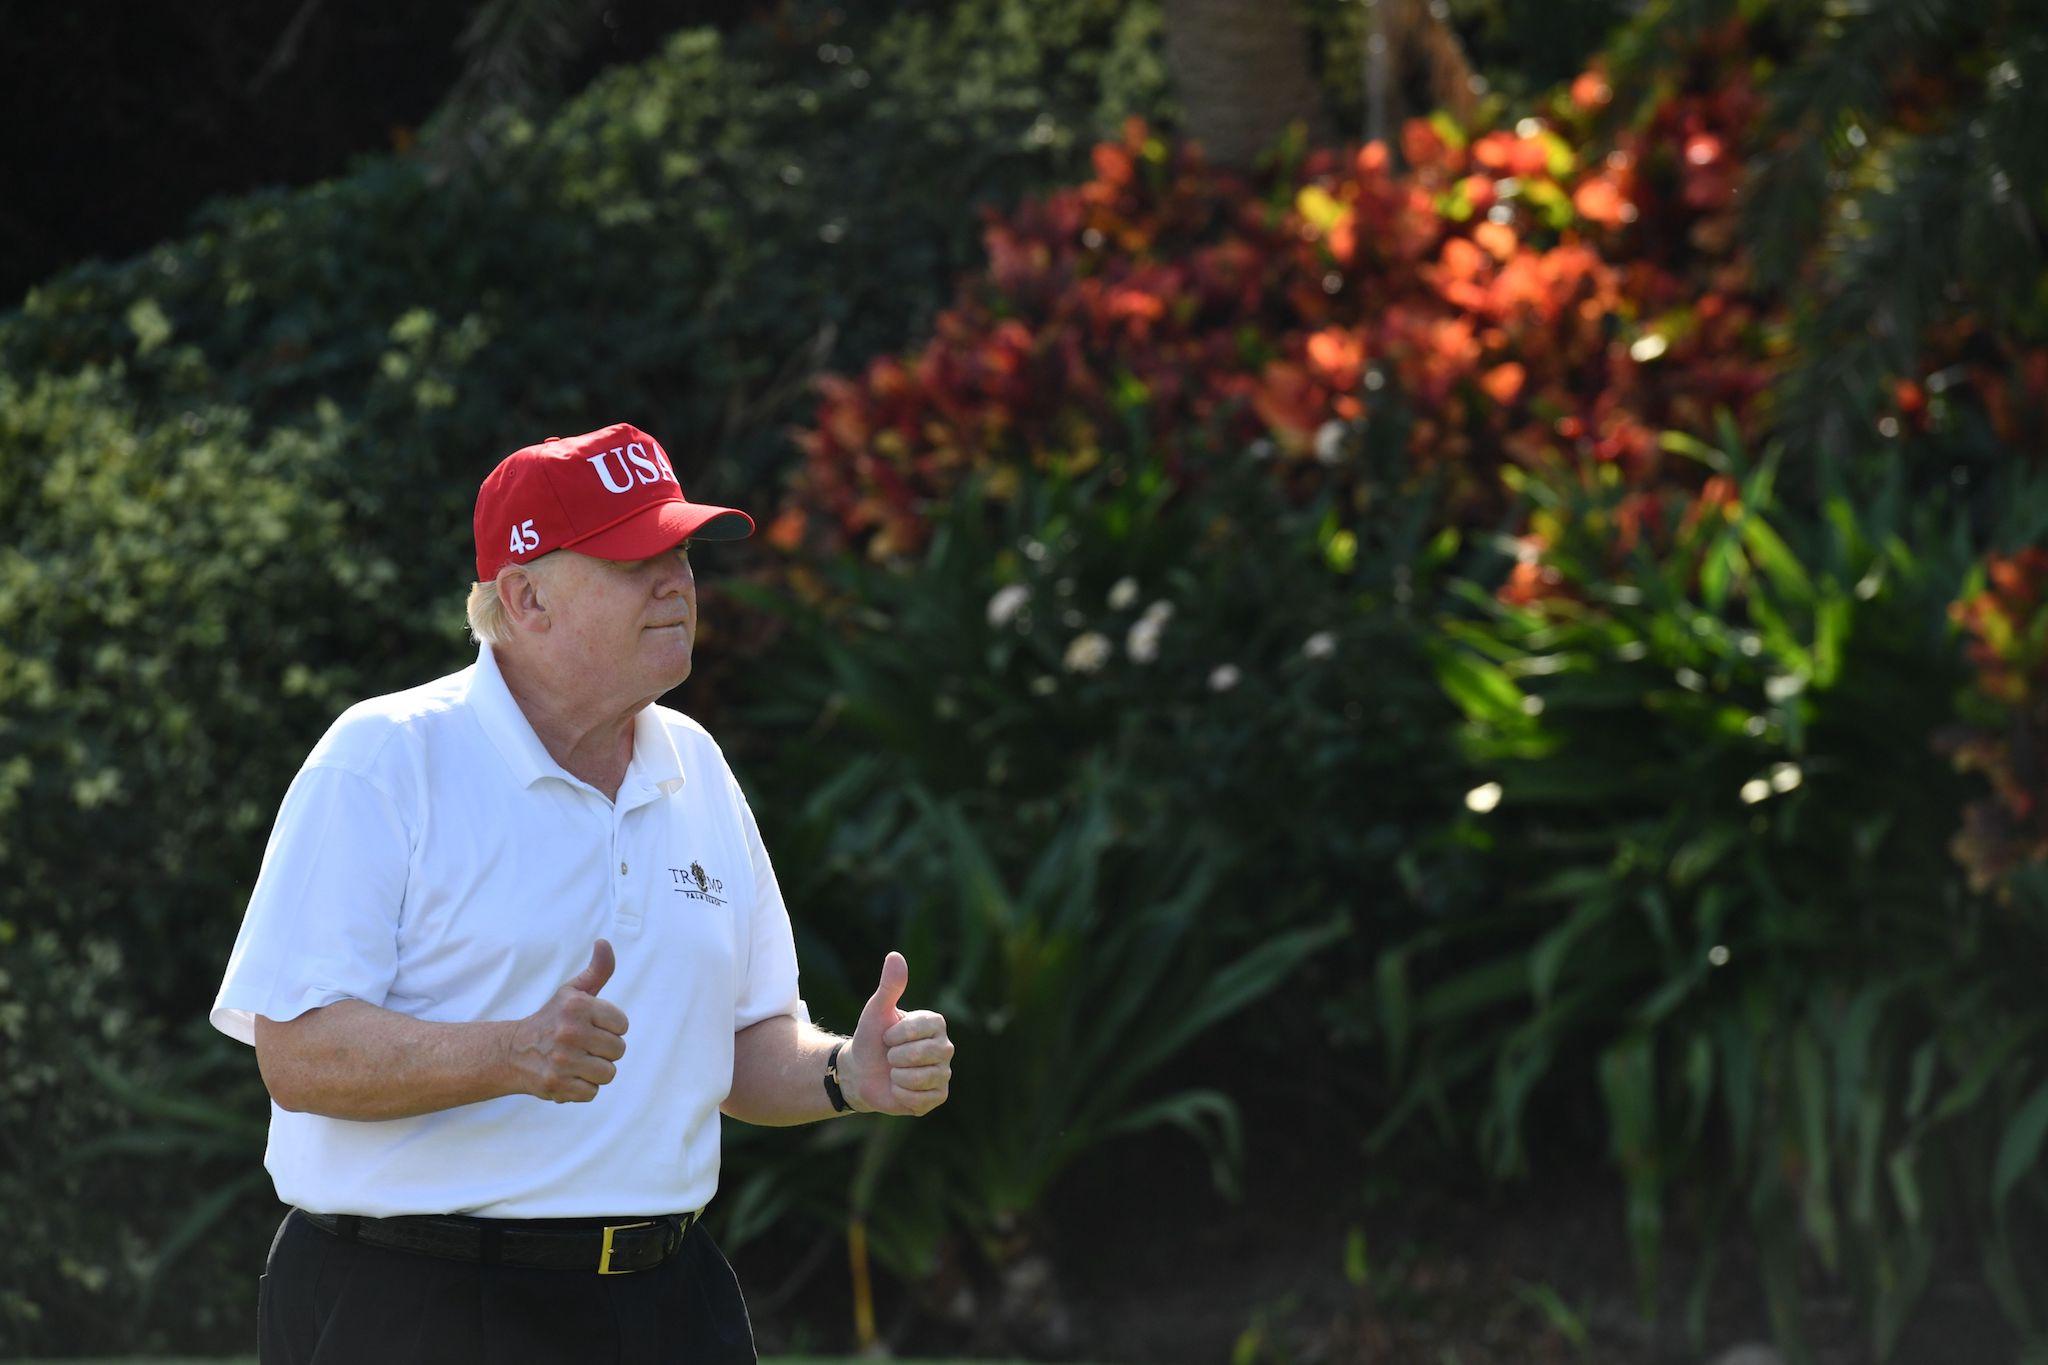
(696, 884)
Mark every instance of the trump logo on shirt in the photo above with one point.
(695, 883)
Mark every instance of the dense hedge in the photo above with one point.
(235, 482)
(162, 587)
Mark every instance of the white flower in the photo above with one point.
(1330, 441)
(1320, 645)
(1123, 593)
(1224, 677)
(1044, 685)
(1007, 602)
(1087, 653)
(1142, 642)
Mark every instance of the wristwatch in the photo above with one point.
(832, 1090)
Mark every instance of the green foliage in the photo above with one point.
(1899, 183)
(1106, 820)
(143, 743)
(1096, 765)
(1068, 987)
(166, 644)
(236, 476)
(685, 242)
(1721, 910)
(1249, 663)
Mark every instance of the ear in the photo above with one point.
(524, 598)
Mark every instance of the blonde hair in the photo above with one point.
(488, 622)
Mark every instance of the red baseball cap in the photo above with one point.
(610, 493)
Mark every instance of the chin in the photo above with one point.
(672, 668)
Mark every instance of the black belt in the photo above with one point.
(613, 1249)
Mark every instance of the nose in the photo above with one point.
(677, 578)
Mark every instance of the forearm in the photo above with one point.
(778, 1073)
(355, 1060)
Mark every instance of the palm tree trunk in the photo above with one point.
(1242, 70)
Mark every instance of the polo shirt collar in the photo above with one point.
(654, 753)
(656, 766)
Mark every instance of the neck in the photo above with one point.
(590, 736)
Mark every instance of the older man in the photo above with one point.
(471, 888)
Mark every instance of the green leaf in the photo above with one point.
(1772, 555)
(1551, 1306)
(1391, 972)
(1231, 989)
(1704, 851)
(197, 1220)
(1693, 448)
(151, 1104)
(1472, 991)
(1357, 1268)
(1547, 958)
(1903, 1169)
(1810, 1097)
(1209, 1117)
(2019, 1150)
(1987, 1066)
(1482, 690)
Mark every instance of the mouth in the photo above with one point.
(672, 625)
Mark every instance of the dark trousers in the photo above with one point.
(325, 1301)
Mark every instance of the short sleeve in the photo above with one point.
(769, 985)
(322, 923)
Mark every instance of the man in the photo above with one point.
(471, 888)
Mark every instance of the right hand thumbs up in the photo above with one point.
(564, 1051)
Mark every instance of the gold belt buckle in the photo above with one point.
(604, 1262)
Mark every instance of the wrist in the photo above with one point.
(511, 1078)
(839, 1072)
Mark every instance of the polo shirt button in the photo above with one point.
(622, 869)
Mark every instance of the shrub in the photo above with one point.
(1549, 296)
(235, 483)
(1525, 298)
(158, 584)
(2004, 838)
(683, 243)
(1106, 762)
(1708, 795)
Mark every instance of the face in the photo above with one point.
(623, 625)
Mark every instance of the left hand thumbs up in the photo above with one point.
(896, 1063)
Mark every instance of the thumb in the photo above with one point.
(592, 978)
(895, 976)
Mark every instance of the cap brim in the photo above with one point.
(663, 526)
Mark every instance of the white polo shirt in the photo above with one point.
(431, 858)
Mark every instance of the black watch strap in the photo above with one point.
(832, 1091)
